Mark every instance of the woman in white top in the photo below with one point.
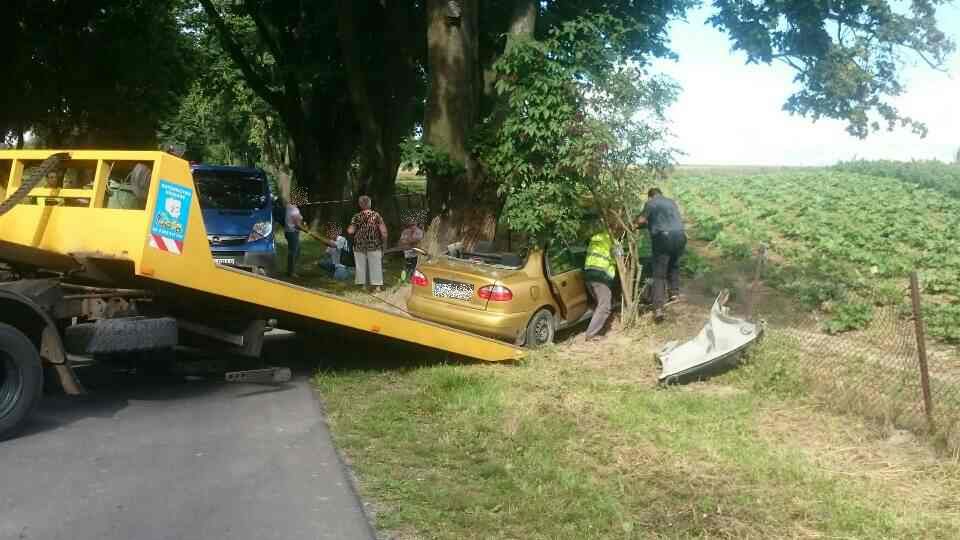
(291, 230)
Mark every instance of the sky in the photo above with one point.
(730, 113)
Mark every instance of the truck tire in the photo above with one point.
(128, 334)
(21, 379)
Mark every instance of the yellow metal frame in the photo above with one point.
(109, 233)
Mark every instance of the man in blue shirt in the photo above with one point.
(668, 241)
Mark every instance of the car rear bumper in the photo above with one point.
(486, 323)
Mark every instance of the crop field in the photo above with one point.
(843, 242)
(936, 175)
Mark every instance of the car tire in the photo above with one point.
(540, 329)
(21, 379)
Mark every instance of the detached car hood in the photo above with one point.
(720, 341)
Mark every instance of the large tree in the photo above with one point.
(87, 74)
(466, 39)
(345, 79)
(847, 56)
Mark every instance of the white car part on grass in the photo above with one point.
(722, 339)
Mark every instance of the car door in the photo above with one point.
(565, 273)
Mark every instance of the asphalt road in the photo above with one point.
(160, 459)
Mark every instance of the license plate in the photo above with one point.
(452, 289)
(225, 260)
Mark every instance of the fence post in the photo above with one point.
(921, 346)
(761, 257)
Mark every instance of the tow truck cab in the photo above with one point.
(237, 211)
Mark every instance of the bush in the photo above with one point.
(847, 317)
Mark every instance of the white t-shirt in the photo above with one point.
(334, 252)
(293, 218)
(411, 234)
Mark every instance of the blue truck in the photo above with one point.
(237, 206)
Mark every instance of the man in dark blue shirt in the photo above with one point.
(668, 240)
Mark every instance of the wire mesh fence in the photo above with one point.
(861, 349)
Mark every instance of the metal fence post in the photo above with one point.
(761, 257)
(921, 346)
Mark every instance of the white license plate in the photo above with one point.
(225, 260)
(452, 289)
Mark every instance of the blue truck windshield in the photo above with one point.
(231, 191)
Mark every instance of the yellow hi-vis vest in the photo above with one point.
(599, 255)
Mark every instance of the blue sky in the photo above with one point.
(731, 113)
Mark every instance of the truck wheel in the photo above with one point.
(127, 334)
(540, 330)
(21, 379)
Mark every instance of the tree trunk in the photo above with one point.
(453, 106)
(465, 207)
(385, 115)
(523, 20)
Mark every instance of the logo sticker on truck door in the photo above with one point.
(169, 226)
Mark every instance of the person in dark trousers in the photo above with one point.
(668, 240)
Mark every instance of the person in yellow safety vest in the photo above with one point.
(600, 274)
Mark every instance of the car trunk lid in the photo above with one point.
(457, 281)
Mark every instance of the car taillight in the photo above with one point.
(418, 279)
(497, 293)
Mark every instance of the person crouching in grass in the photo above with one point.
(337, 251)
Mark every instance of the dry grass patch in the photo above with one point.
(579, 442)
(576, 444)
(881, 458)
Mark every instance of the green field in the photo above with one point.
(578, 442)
(840, 239)
(935, 175)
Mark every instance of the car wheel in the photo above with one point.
(21, 379)
(540, 330)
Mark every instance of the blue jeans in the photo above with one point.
(293, 250)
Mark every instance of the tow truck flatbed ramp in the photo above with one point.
(69, 225)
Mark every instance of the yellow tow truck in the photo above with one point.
(105, 252)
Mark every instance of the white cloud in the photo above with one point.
(731, 113)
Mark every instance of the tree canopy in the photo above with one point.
(334, 93)
(93, 73)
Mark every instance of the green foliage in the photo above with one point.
(732, 247)
(845, 54)
(571, 127)
(428, 159)
(943, 321)
(84, 74)
(693, 264)
(932, 174)
(847, 317)
(838, 236)
(578, 130)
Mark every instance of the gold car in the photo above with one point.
(523, 299)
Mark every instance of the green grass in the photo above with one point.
(410, 182)
(580, 445)
(311, 275)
